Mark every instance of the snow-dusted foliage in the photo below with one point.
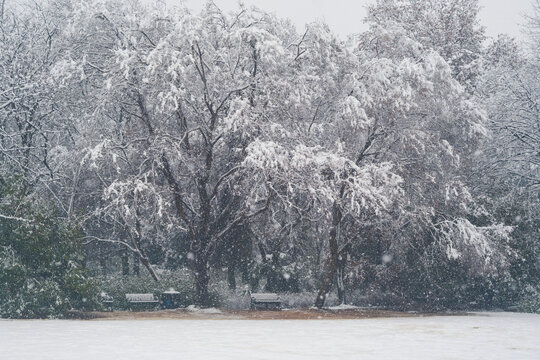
(41, 274)
(451, 28)
(29, 111)
(211, 139)
(463, 240)
(509, 163)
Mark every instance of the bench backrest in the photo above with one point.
(140, 297)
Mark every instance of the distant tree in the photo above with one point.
(449, 27)
(509, 171)
(532, 26)
(30, 119)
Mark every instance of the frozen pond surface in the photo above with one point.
(484, 336)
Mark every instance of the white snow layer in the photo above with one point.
(193, 308)
(482, 336)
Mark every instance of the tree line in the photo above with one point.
(403, 159)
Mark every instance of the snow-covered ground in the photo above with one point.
(483, 336)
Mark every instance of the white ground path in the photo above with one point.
(483, 336)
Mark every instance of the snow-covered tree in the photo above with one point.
(27, 104)
(509, 171)
(176, 111)
(181, 137)
(449, 27)
(389, 136)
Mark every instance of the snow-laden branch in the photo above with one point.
(14, 218)
(91, 239)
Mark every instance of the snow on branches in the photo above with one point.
(190, 126)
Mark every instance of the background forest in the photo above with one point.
(148, 147)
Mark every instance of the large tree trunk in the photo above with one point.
(202, 278)
(136, 265)
(274, 276)
(140, 255)
(231, 275)
(342, 262)
(340, 285)
(148, 266)
(124, 255)
(332, 263)
(244, 269)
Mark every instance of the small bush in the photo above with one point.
(40, 259)
(27, 296)
(530, 302)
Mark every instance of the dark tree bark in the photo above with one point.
(136, 265)
(232, 259)
(125, 262)
(140, 254)
(202, 278)
(332, 263)
(342, 263)
(274, 282)
(144, 260)
(231, 276)
(244, 269)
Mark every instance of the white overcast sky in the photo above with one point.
(345, 16)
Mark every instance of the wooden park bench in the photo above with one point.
(265, 301)
(107, 301)
(141, 300)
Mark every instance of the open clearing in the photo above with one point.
(478, 336)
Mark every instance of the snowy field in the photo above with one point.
(483, 336)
